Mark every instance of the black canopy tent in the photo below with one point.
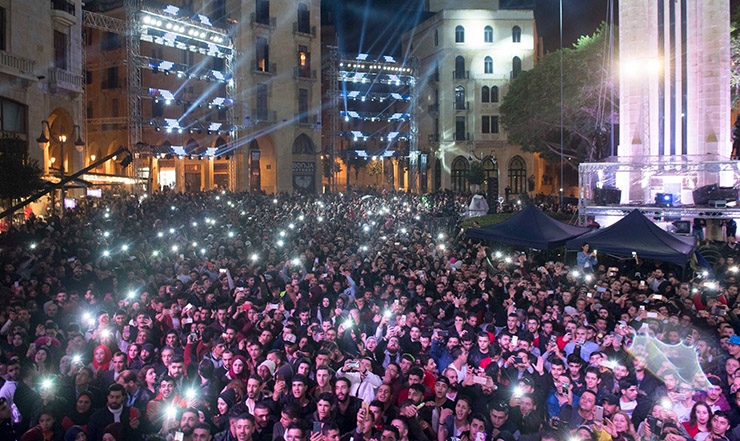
(637, 233)
(529, 228)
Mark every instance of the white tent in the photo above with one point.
(478, 207)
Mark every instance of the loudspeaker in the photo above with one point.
(607, 196)
(714, 192)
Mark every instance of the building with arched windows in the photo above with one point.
(470, 52)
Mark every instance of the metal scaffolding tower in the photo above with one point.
(414, 129)
(333, 113)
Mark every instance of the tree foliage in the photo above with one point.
(20, 176)
(531, 109)
(475, 173)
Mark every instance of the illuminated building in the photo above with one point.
(468, 53)
(41, 77)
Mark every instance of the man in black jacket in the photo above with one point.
(114, 412)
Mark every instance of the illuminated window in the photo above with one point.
(304, 62)
(488, 65)
(516, 34)
(262, 55)
(488, 34)
(459, 34)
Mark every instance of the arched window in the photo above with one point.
(516, 34)
(488, 65)
(460, 174)
(459, 34)
(494, 94)
(436, 38)
(488, 34)
(517, 175)
(485, 94)
(490, 175)
(460, 98)
(460, 67)
(303, 145)
(516, 67)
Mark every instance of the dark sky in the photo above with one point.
(379, 24)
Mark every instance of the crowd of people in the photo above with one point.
(238, 317)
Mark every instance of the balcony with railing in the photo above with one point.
(304, 74)
(63, 11)
(304, 30)
(260, 67)
(461, 106)
(262, 21)
(15, 65)
(462, 136)
(306, 120)
(460, 74)
(64, 79)
(263, 116)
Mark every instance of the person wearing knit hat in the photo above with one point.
(75, 433)
(224, 404)
(269, 366)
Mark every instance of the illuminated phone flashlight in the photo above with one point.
(280, 243)
(733, 269)
(106, 253)
(131, 295)
(195, 244)
(588, 277)
(170, 412)
(498, 254)
(518, 391)
(363, 248)
(106, 215)
(160, 234)
(46, 383)
(190, 394)
(387, 313)
(87, 317)
(274, 201)
(155, 253)
(296, 261)
(320, 219)
(441, 246)
(710, 285)
(301, 218)
(373, 223)
(175, 248)
(33, 246)
(441, 236)
(417, 217)
(124, 247)
(507, 259)
(705, 273)
(348, 324)
(366, 228)
(666, 403)
(282, 233)
(576, 274)
(202, 251)
(76, 358)
(106, 234)
(172, 208)
(218, 198)
(291, 226)
(243, 213)
(254, 257)
(172, 231)
(231, 234)
(403, 231)
(105, 333)
(383, 237)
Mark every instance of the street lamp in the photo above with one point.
(43, 141)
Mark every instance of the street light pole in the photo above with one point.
(43, 140)
(562, 181)
(62, 140)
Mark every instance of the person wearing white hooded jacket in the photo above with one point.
(364, 382)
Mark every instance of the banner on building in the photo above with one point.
(304, 177)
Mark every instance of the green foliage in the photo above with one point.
(375, 168)
(20, 176)
(531, 109)
(475, 173)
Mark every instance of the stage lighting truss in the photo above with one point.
(184, 71)
(169, 27)
(173, 125)
(356, 95)
(397, 116)
(358, 135)
(166, 96)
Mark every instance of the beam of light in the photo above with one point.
(364, 23)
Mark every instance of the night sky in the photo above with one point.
(375, 26)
